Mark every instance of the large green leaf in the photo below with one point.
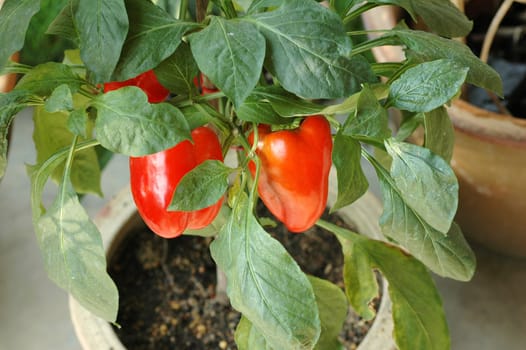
(64, 24)
(352, 183)
(10, 105)
(102, 26)
(15, 16)
(426, 182)
(45, 78)
(439, 133)
(265, 283)
(231, 54)
(74, 256)
(429, 47)
(153, 37)
(332, 306)
(51, 134)
(418, 315)
(149, 128)
(308, 51)
(427, 86)
(178, 71)
(201, 187)
(441, 16)
(448, 255)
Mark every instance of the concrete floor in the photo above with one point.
(487, 313)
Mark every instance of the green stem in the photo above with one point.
(183, 8)
(386, 68)
(228, 8)
(358, 12)
(370, 44)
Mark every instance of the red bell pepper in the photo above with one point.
(154, 178)
(147, 82)
(294, 174)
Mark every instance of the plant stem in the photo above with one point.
(356, 13)
(200, 10)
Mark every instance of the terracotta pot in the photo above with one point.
(489, 160)
(120, 216)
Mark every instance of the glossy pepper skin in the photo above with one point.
(294, 175)
(154, 178)
(147, 82)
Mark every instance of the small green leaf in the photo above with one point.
(418, 315)
(427, 86)
(202, 187)
(15, 16)
(199, 114)
(50, 134)
(265, 284)
(350, 104)
(153, 37)
(231, 54)
(45, 78)
(60, 100)
(254, 109)
(439, 133)
(10, 104)
(178, 71)
(308, 51)
(285, 103)
(428, 47)
(102, 26)
(150, 128)
(370, 121)
(74, 256)
(426, 183)
(352, 183)
(77, 122)
(333, 308)
(64, 24)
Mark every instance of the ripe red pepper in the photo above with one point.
(294, 174)
(147, 82)
(154, 178)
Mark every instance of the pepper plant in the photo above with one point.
(291, 88)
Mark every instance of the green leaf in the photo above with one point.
(333, 308)
(418, 315)
(45, 78)
(439, 133)
(285, 103)
(352, 183)
(254, 109)
(248, 338)
(231, 54)
(178, 71)
(202, 187)
(265, 284)
(308, 51)
(442, 17)
(199, 114)
(102, 26)
(150, 128)
(427, 86)
(64, 24)
(153, 37)
(50, 134)
(10, 104)
(74, 256)
(448, 255)
(370, 121)
(61, 99)
(429, 47)
(78, 121)
(426, 183)
(15, 16)
(350, 104)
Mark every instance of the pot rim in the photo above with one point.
(115, 219)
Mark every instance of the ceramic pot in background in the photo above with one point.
(489, 159)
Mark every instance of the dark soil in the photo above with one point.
(167, 289)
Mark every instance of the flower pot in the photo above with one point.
(118, 218)
(489, 160)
